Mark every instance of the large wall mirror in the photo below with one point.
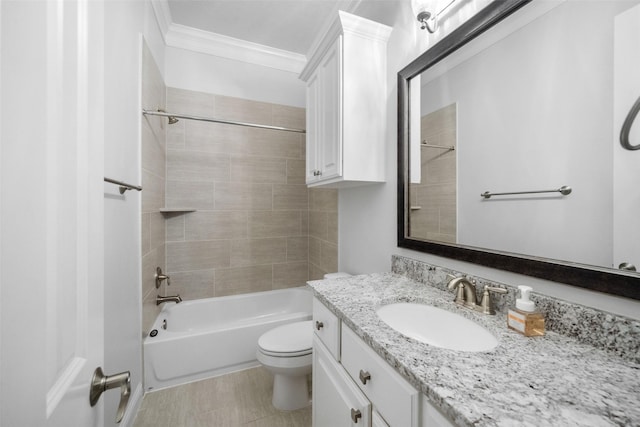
(527, 98)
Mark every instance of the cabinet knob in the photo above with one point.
(319, 325)
(364, 376)
(355, 415)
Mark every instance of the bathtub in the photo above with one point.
(209, 337)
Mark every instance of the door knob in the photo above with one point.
(101, 383)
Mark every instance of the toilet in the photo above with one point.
(285, 351)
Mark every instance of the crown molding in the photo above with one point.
(345, 23)
(193, 39)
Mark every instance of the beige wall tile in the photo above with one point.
(245, 252)
(314, 251)
(153, 151)
(175, 226)
(198, 195)
(202, 255)
(243, 196)
(274, 224)
(153, 195)
(192, 284)
(182, 101)
(329, 257)
(197, 166)
(315, 272)
(145, 231)
(149, 312)
(176, 135)
(290, 197)
(210, 225)
(243, 110)
(231, 281)
(157, 229)
(273, 143)
(258, 169)
(318, 225)
(332, 227)
(215, 137)
(298, 248)
(289, 117)
(321, 199)
(290, 274)
(296, 171)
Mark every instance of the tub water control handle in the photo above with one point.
(101, 383)
(355, 415)
(319, 325)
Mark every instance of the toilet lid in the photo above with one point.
(294, 338)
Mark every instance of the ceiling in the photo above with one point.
(290, 25)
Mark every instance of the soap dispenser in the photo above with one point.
(524, 318)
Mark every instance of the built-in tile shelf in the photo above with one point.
(176, 210)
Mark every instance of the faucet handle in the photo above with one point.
(486, 306)
(160, 277)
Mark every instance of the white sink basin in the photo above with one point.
(437, 327)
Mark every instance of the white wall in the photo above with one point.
(186, 69)
(125, 21)
(367, 214)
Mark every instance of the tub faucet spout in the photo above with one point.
(169, 298)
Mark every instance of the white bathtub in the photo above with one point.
(213, 336)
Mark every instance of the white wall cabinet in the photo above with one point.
(346, 104)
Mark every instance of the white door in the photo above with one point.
(51, 213)
(626, 166)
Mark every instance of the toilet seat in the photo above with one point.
(291, 340)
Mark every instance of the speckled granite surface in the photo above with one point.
(553, 380)
(616, 334)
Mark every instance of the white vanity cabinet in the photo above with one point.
(346, 104)
(353, 386)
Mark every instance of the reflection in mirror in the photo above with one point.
(433, 194)
(534, 104)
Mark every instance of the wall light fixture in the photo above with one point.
(427, 12)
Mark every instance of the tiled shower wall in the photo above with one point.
(153, 184)
(256, 226)
(433, 200)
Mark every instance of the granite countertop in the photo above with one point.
(552, 380)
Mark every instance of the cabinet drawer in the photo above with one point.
(337, 402)
(392, 396)
(326, 326)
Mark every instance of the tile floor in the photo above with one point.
(238, 399)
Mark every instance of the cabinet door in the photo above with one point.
(313, 128)
(330, 145)
(337, 402)
(377, 421)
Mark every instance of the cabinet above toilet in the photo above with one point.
(346, 104)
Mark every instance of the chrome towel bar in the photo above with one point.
(123, 185)
(564, 190)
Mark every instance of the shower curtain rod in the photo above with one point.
(228, 122)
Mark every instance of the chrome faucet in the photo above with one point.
(466, 294)
(465, 291)
(168, 298)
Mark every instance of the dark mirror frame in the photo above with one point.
(621, 283)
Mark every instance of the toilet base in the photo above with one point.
(290, 392)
